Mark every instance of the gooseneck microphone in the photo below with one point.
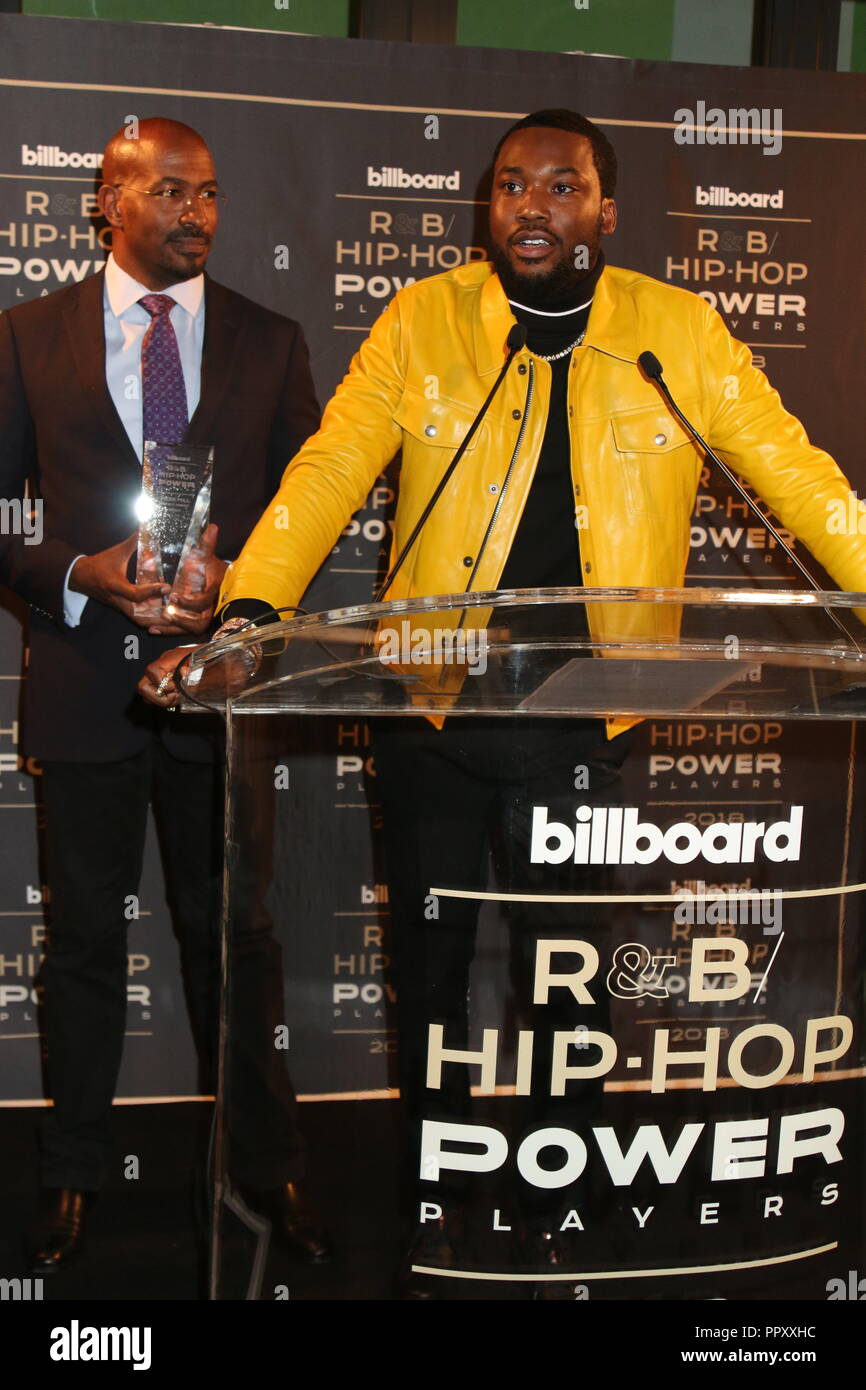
(652, 368)
(513, 343)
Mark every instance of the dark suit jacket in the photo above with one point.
(59, 427)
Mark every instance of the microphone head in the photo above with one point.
(516, 337)
(651, 365)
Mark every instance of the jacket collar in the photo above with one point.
(223, 324)
(492, 322)
(612, 327)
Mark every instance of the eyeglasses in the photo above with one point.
(175, 198)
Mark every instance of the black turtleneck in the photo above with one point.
(545, 552)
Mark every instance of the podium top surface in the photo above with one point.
(593, 653)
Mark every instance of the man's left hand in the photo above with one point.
(220, 679)
(156, 685)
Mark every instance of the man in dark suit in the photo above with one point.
(85, 375)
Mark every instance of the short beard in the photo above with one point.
(189, 268)
(557, 288)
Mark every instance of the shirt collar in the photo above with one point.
(122, 291)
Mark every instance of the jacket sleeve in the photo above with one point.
(32, 562)
(753, 433)
(329, 478)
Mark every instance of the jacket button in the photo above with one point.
(515, 414)
(588, 567)
(492, 487)
(430, 430)
(522, 368)
(577, 489)
(467, 560)
(570, 411)
(660, 439)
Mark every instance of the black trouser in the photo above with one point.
(450, 798)
(95, 824)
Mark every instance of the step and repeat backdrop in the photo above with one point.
(353, 169)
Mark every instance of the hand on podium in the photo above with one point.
(223, 676)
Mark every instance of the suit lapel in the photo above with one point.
(222, 333)
(83, 317)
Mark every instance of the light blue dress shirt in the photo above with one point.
(126, 323)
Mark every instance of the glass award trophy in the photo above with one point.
(174, 509)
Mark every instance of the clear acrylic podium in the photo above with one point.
(630, 1041)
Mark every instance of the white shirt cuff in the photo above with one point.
(73, 604)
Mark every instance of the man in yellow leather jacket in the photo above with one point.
(422, 374)
(579, 473)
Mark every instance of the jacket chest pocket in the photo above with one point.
(433, 431)
(658, 461)
(437, 424)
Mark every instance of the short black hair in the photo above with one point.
(558, 118)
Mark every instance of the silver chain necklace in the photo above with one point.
(555, 356)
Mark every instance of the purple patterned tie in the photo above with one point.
(164, 414)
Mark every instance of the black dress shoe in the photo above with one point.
(58, 1236)
(296, 1222)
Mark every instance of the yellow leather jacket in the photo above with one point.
(417, 382)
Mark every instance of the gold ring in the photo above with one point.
(163, 685)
